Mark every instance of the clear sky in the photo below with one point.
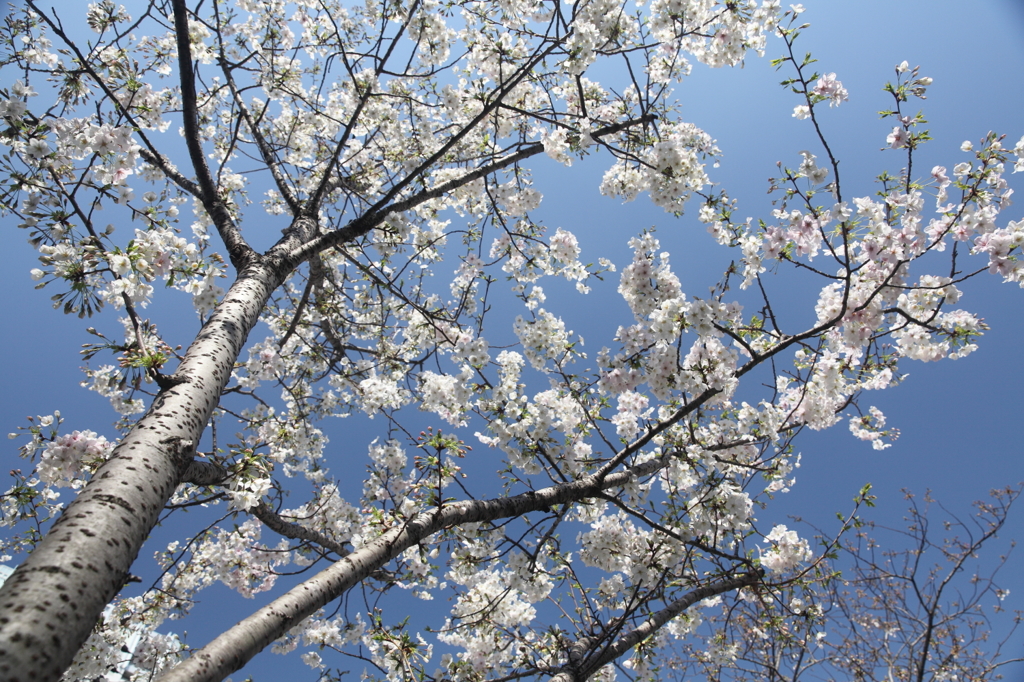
(960, 421)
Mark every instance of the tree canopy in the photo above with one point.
(345, 193)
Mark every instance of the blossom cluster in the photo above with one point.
(671, 170)
(65, 459)
(787, 550)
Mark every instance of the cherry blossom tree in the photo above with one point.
(354, 179)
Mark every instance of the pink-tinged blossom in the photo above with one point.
(390, 336)
(831, 89)
(65, 459)
(776, 239)
(939, 175)
(119, 176)
(806, 234)
(619, 380)
(897, 138)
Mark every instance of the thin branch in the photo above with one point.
(589, 664)
(266, 153)
(362, 225)
(238, 249)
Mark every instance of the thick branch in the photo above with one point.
(236, 646)
(158, 160)
(80, 565)
(204, 473)
(275, 522)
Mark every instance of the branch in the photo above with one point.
(486, 111)
(209, 473)
(325, 185)
(149, 154)
(238, 250)
(204, 473)
(266, 153)
(362, 225)
(581, 666)
(236, 646)
(669, 532)
(156, 159)
(275, 522)
(297, 315)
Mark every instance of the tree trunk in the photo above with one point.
(51, 603)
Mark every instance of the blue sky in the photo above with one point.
(960, 421)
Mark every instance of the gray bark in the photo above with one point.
(236, 646)
(50, 604)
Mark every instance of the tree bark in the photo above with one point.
(235, 647)
(51, 603)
